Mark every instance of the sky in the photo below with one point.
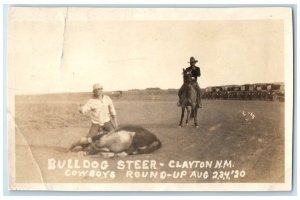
(68, 50)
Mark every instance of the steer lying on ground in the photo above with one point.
(127, 140)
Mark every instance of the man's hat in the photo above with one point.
(97, 86)
(193, 60)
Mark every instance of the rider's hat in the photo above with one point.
(193, 60)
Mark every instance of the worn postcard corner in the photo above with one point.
(150, 99)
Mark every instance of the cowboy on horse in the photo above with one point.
(195, 72)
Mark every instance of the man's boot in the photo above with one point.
(199, 104)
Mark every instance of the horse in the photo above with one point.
(188, 99)
(127, 140)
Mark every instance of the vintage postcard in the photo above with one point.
(150, 99)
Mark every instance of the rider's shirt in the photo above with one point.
(100, 110)
(195, 72)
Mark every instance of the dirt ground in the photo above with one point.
(227, 133)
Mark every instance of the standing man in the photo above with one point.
(195, 71)
(102, 113)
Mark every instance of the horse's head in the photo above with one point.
(187, 76)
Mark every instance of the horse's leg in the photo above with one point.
(195, 116)
(188, 116)
(182, 115)
(91, 149)
(150, 148)
(83, 142)
(131, 150)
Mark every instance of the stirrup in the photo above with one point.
(178, 104)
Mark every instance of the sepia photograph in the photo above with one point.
(150, 99)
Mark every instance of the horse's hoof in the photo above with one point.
(76, 149)
(197, 126)
(107, 154)
(186, 124)
(122, 154)
(179, 126)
